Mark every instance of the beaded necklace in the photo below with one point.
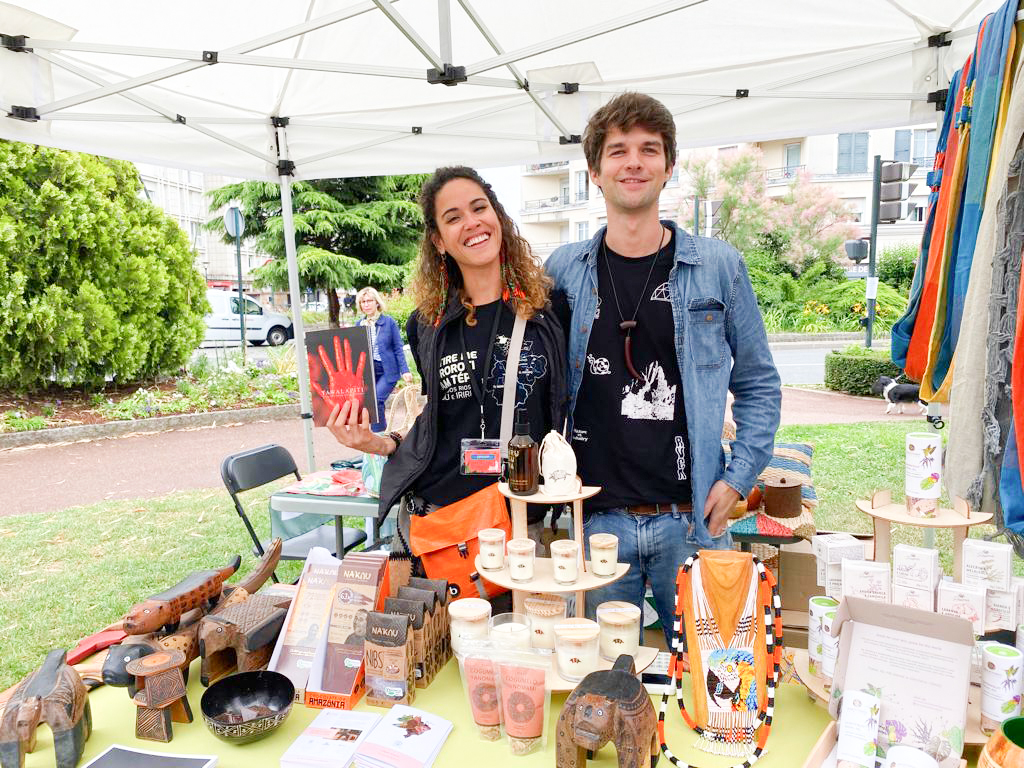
(729, 675)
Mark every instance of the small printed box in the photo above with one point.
(834, 581)
(916, 567)
(964, 600)
(818, 550)
(1017, 587)
(988, 564)
(843, 549)
(912, 597)
(867, 579)
(1000, 609)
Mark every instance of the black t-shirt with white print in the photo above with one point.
(630, 434)
(458, 410)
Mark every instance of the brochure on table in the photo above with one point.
(331, 740)
(405, 737)
(917, 662)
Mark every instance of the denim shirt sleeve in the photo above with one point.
(755, 385)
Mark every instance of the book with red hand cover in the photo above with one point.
(340, 370)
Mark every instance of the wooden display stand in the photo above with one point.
(544, 581)
(161, 696)
(884, 513)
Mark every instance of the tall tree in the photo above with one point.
(95, 283)
(348, 232)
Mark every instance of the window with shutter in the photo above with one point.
(901, 151)
(845, 153)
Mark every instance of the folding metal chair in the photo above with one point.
(259, 466)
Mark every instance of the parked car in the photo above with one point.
(224, 323)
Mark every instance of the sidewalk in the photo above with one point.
(47, 478)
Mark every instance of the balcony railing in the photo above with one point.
(783, 175)
(552, 167)
(549, 203)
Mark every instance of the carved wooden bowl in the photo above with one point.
(247, 706)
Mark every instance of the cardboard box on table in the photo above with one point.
(918, 660)
(826, 743)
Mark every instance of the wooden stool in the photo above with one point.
(161, 694)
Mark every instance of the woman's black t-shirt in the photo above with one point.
(458, 410)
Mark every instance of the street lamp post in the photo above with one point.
(235, 225)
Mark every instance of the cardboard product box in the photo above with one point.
(1017, 587)
(794, 628)
(916, 567)
(988, 564)
(834, 580)
(1000, 610)
(964, 601)
(822, 754)
(912, 597)
(867, 579)
(818, 550)
(918, 662)
(798, 576)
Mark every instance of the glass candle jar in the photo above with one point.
(604, 553)
(544, 611)
(492, 549)
(564, 560)
(576, 648)
(620, 629)
(468, 617)
(510, 631)
(520, 558)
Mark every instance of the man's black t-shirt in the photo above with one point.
(458, 410)
(630, 434)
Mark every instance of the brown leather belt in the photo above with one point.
(657, 509)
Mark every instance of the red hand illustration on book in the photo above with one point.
(343, 383)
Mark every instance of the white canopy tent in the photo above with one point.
(282, 89)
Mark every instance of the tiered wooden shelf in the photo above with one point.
(544, 580)
(884, 513)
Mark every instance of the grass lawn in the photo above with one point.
(68, 573)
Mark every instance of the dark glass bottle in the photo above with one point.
(523, 467)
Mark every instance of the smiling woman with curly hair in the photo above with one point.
(475, 273)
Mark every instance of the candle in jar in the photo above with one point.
(620, 629)
(604, 553)
(564, 554)
(520, 559)
(510, 631)
(492, 549)
(544, 611)
(468, 617)
(576, 648)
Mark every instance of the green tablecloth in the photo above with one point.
(798, 723)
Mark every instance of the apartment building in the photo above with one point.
(559, 204)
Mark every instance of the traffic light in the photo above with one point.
(894, 190)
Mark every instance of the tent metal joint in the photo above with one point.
(15, 43)
(569, 88)
(574, 138)
(210, 57)
(180, 119)
(285, 167)
(417, 130)
(28, 114)
(742, 93)
(279, 122)
(938, 98)
(940, 40)
(450, 75)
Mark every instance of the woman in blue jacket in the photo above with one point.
(388, 352)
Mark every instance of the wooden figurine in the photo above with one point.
(239, 638)
(186, 640)
(161, 696)
(165, 609)
(54, 694)
(608, 706)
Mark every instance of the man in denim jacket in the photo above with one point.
(661, 326)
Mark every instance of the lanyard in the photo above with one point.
(478, 387)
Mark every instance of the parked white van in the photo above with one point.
(224, 324)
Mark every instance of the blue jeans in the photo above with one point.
(655, 547)
(385, 385)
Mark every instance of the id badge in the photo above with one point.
(480, 456)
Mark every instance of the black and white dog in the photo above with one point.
(897, 395)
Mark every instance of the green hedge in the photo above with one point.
(855, 369)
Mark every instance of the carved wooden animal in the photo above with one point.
(264, 568)
(166, 608)
(608, 706)
(185, 640)
(239, 638)
(54, 694)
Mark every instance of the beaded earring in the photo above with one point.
(443, 287)
(509, 285)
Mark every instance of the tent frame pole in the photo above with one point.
(294, 291)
